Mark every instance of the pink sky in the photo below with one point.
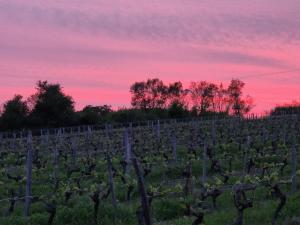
(97, 48)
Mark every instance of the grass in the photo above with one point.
(165, 211)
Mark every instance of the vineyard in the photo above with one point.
(228, 171)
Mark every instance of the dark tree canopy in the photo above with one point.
(239, 105)
(93, 114)
(176, 94)
(178, 110)
(51, 106)
(202, 95)
(291, 108)
(149, 95)
(203, 98)
(150, 100)
(15, 112)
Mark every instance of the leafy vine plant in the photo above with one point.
(240, 199)
(212, 189)
(271, 181)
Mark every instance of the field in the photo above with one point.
(214, 171)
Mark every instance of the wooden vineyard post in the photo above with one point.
(142, 190)
(14, 142)
(107, 131)
(152, 127)
(55, 164)
(246, 156)
(127, 151)
(47, 137)
(265, 135)
(284, 134)
(73, 152)
(174, 146)
(294, 165)
(111, 182)
(1, 139)
(213, 132)
(90, 133)
(204, 172)
(28, 175)
(88, 140)
(158, 130)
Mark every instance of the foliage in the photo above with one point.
(149, 95)
(151, 100)
(238, 105)
(293, 108)
(50, 106)
(15, 112)
(93, 114)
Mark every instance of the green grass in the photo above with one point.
(165, 211)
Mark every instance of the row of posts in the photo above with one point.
(128, 156)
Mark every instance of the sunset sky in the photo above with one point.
(97, 48)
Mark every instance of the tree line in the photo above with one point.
(292, 108)
(200, 97)
(152, 99)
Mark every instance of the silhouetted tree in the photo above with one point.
(149, 95)
(151, 100)
(50, 106)
(176, 94)
(290, 108)
(138, 98)
(238, 105)
(202, 96)
(178, 110)
(15, 112)
(221, 100)
(93, 114)
(207, 98)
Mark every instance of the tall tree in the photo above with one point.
(51, 106)
(151, 94)
(238, 104)
(221, 100)
(176, 94)
(15, 112)
(202, 95)
(138, 98)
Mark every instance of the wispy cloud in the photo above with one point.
(202, 26)
(108, 44)
(69, 54)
